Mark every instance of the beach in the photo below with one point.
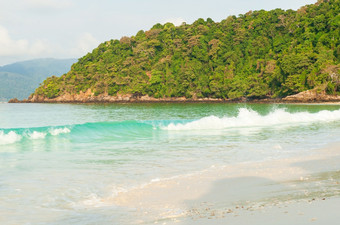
(286, 191)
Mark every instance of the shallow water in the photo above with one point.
(59, 161)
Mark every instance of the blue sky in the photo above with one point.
(70, 28)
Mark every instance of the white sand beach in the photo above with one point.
(302, 190)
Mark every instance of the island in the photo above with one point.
(277, 55)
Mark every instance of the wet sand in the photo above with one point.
(318, 211)
(301, 190)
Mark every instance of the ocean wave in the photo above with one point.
(116, 130)
(145, 129)
(249, 118)
(9, 138)
(57, 131)
(37, 135)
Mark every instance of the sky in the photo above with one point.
(31, 29)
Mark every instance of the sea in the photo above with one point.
(59, 163)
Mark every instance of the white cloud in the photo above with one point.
(11, 47)
(175, 21)
(85, 43)
(49, 4)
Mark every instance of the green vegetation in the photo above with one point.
(18, 80)
(256, 55)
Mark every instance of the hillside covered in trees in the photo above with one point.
(261, 54)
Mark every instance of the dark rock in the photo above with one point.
(13, 100)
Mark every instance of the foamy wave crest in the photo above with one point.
(250, 118)
(9, 138)
(57, 131)
(37, 135)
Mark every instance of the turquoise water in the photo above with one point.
(57, 161)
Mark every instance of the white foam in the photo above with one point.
(91, 201)
(277, 147)
(155, 180)
(250, 118)
(9, 138)
(94, 201)
(37, 135)
(58, 131)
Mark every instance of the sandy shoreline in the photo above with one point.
(318, 211)
(302, 190)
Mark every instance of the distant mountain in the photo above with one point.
(18, 80)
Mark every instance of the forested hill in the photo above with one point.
(256, 55)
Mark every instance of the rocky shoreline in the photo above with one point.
(310, 96)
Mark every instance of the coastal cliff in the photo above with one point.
(258, 56)
(311, 96)
(90, 97)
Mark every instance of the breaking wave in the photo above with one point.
(9, 138)
(250, 118)
(122, 131)
(37, 135)
(57, 131)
